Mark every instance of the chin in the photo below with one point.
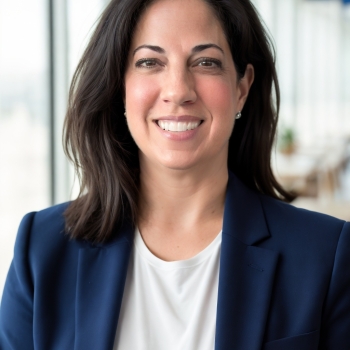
(202, 166)
(179, 165)
(176, 161)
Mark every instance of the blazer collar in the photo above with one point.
(243, 216)
(246, 272)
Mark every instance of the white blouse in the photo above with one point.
(169, 305)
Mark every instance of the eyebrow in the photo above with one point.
(150, 47)
(203, 47)
(196, 49)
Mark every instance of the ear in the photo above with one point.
(244, 85)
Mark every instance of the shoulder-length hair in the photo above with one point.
(96, 136)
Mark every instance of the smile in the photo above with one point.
(178, 126)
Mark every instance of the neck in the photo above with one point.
(179, 199)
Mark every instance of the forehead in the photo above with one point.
(178, 22)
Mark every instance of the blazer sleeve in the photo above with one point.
(16, 309)
(335, 330)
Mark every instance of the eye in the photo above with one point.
(146, 63)
(207, 62)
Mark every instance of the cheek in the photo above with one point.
(140, 94)
(218, 98)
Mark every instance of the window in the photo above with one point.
(33, 93)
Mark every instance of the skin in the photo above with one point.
(180, 67)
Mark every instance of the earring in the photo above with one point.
(125, 114)
(238, 115)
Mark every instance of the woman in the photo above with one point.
(179, 239)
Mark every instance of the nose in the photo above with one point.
(178, 87)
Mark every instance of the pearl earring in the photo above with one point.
(238, 115)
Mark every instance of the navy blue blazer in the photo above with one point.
(284, 281)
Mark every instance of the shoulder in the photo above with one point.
(42, 237)
(302, 230)
(286, 216)
(49, 219)
(281, 221)
(44, 224)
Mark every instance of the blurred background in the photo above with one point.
(40, 45)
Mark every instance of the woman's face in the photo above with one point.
(181, 87)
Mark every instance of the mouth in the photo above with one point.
(178, 126)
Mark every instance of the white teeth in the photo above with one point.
(177, 126)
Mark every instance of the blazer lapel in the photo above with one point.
(246, 272)
(100, 284)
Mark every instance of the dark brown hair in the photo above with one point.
(97, 139)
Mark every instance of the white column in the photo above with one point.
(61, 171)
(285, 38)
